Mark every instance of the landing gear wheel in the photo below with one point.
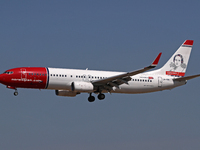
(91, 98)
(101, 96)
(15, 93)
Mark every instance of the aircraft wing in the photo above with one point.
(186, 78)
(117, 80)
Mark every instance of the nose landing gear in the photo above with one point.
(14, 88)
(15, 93)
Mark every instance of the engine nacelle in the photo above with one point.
(82, 87)
(65, 93)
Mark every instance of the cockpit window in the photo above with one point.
(8, 72)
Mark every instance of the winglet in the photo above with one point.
(155, 62)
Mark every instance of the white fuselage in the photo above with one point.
(61, 79)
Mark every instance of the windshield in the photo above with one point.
(8, 72)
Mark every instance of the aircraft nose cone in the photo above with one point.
(1, 78)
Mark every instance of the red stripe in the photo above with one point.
(188, 42)
(175, 73)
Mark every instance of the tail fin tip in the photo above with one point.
(188, 42)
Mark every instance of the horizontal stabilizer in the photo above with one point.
(186, 78)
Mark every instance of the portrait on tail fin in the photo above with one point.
(178, 64)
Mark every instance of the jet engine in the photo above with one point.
(82, 87)
(65, 93)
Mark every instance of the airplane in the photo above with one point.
(71, 82)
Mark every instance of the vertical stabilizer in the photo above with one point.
(177, 64)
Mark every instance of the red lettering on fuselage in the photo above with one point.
(25, 77)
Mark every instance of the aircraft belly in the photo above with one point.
(134, 88)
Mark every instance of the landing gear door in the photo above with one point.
(160, 81)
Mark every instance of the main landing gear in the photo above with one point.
(92, 98)
(101, 96)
